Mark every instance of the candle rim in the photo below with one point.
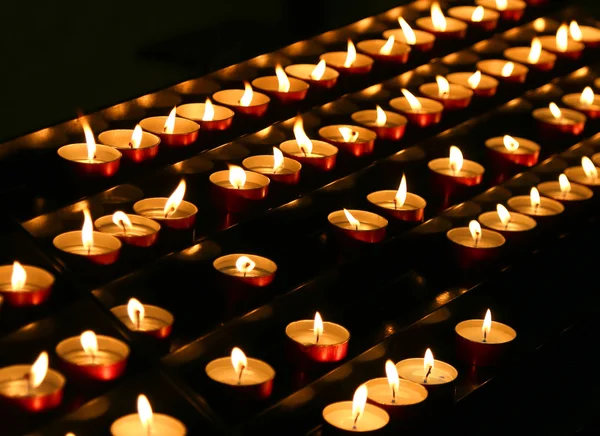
(251, 176)
(53, 378)
(288, 163)
(399, 34)
(328, 71)
(498, 239)
(258, 98)
(439, 364)
(595, 105)
(404, 382)
(226, 361)
(541, 114)
(486, 64)
(527, 146)
(469, 9)
(422, 203)
(402, 46)
(46, 278)
(454, 75)
(229, 113)
(401, 120)
(325, 324)
(366, 60)
(301, 85)
(490, 4)
(141, 220)
(442, 163)
(549, 41)
(138, 208)
(153, 140)
(521, 216)
(365, 135)
(554, 206)
(151, 311)
(470, 323)
(433, 106)
(262, 263)
(379, 221)
(68, 149)
(123, 420)
(585, 192)
(101, 240)
(466, 92)
(290, 147)
(73, 344)
(368, 407)
(510, 53)
(192, 126)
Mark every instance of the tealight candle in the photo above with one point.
(565, 191)
(474, 244)
(34, 388)
(562, 45)
(97, 247)
(533, 56)
(319, 154)
(399, 204)
(93, 357)
(417, 39)
(441, 26)
(145, 319)
(25, 285)
(477, 17)
(146, 423)
(134, 230)
(356, 140)
(244, 102)
(596, 159)
(536, 206)
(513, 150)
(418, 110)
(481, 84)
(506, 223)
(318, 76)
(355, 416)
(483, 342)
(208, 115)
(358, 225)
(171, 212)
(510, 10)
(450, 95)
(589, 35)
(506, 71)
(586, 174)
(318, 341)
(281, 87)
(553, 120)
(248, 376)
(454, 170)
(136, 145)
(586, 102)
(348, 62)
(389, 51)
(387, 125)
(236, 190)
(277, 167)
(249, 269)
(172, 130)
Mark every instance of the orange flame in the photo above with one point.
(209, 111)
(247, 96)
(386, 48)
(19, 277)
(170, 122)
(409, 34)
(318, 327)
(282, 79)
(456, 159)
(351, 56)
(319, 70)
(175, 199)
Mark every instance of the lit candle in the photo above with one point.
(586, 102)
(483, 342)
(134, 230)
(236, 190)
(249, 269)
(561, 45)
(481, 84)
(474, 245)
(399, 204)
(145, 319)
(536, 206)
(565, 191)
(510, 10)
(172, 130)
(387, 125)
(477, 17)
(356, 140)
(389, 51)
(319, 75)
(136, 145)
(589, 35)
(281, 87)
(319, 154)
(358, 225)
(244, 102)
(417, 39)
(441, 26)
(208, 115)
(596, 159)
(318, 341)
(506, 223)
(348, 62)
(533, 56)
(172, 212)
(25, 285)
(450, 95)
(513, 150)
(277, 167)
(586, 174)
(355, 416)
(506, 71)
(418, 110)
(553, 120)
(146, 423)
(454, 170)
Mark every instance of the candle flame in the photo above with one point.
(237, 176)
(443, 86)
(501, 5)
(175, 199)
(351, 56)
(19, 276)
(589, 168)
(38, 370)
(381, 117)
(89, 342)
(282, 79)
(353, 221)
(318, 327)
(136, 137)
(565, 185)
(555, 111)
(539, 25)
(121, 220)
(136, 311)
(535, 51)
(87, 230)
(348, 134)
(477, 15)
(277, 159)
(244, 264)
(392, 375)
(145, 414)
(413, 101)
(503, 214)
(209, 111)
(409, 34)
(507, 69)
(475, 229)
(456, 159)
(319, 70)
(239, 361)
(510, 143)
(575, 31)
(304, 143)
(400, 197)
(89, 138)
(358, 403)
(428, 361)
(386, 48)
(437, 18)
(487, 324)
(587, 96)
(562, 38)
(247, 96)
(474, 80)
(170, 123)
(534, 198)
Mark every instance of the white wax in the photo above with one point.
(488, 239)
(408, 393)
(155, 318)
(421, 37)
(498, 334)
(487, 82)
(549, 43)
(303, 332)
(573, 100)
(154, 208)
(14, 382)
(521, 54)
(428, 106)
(525, 145)
(547, 206)
(576, 174)
(339, 415)
(369, 118)
(134, 230)
(413, 370)
(101, 357)
(222, 371)
(577, 193)
(518, 222)
(456, 92)
(231, 270)
(568, 116)
(386, 199)
(162, 425)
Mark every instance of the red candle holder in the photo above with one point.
(155, 322)
(358, 225)
(248, 269)
(104, 251)
(183, 133)
(457, 97)
(571, 50)
(243, 102)
(25, 285)
(474, 348)
(389, 126)
(482, 85)
(338, 419)
(523, 55)
(513, 11)
(104, 163)
(382, 51)
(587, 102)
(270, 85)
(238, 197)
(411, 210)
(356, 140)
(288, 172)
(332, 345)
(183, 218)
(317, 76)
(210, 117)
(323, 155)
(510, 150)
(554, 120)
(416, 39)
(135, 230)
(470, 250)
(406, 402)
(445, 176)
(348, 63)
(506, 71)
(136, 150)
(536, 3)
(422, 112)
(476, 17)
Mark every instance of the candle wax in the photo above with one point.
(302, 154)
(495, 335)
(233, 271)
(557, 194)
(373, 123)
(159, 213)
(483, 242)
(307, 337)
(416, 373)
(452, 173)
(394, 206)
(148, 324)
(135, 230)
(81, 250)
(380, 391)
(226, 374)
(7, 287)
(362, 226)
(89, 161)
(269, 170)
(247, 185)
(341, 417)
(162, 425)
(20, 388)
(101, 357)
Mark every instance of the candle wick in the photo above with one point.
(535, 209)
(124, 229)
(428, 373)
(477, 238)
(395, 203)
(130, 144)
(507, 223)
(484, 336)
(357, 227)
(93, 358)
(355, 421)
(29, 378)
(317, 339)
(240, 377)
(89, 250)
(304, 151)
(170, 211)
(393, 395)
(137, 319)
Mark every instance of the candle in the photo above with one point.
(454, 170)
(506, 71)
(388, 51)
(318, 154)
(90, 159)
(481, 84)
(477, 17)
(244, 102)
(281, 87)
(358, 225)
(533, 56)
(534, 205)
(417, 39)
(356, 140)
(248, 376)
(134, 230)
(596, 159)
(136, 145)
(510, 10)
(387, 125)
(399, 204)
(97, 247)
(277, 167)
(249, 269)
(565, 191)
(513, 150)
(418, 110)
(146, 423)
(172, 130)
(586, 174)
(561, 45)
(236, 190)
(25, 285)
(355, 416)
(318, 341)
(145, 319)
(506, 223)
(173, 212)
(450, 95)
(473, 244)
(553, 120)
(348, 62)
(32, 388)
(319, 76)
(442, 27)
(589, 35)
(208, 115)
(586, 102)
(483, 342)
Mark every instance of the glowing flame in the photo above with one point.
(474, 80)
(563, 182)
(456, 159)
(170, 123)
(353, 221)
(282, 79)
(38, 371)
(443, 86)
(575, 31)
(487, 324)
(319, 70)
(145, 413)
(19, 277)
(477, 15)
(392, 375)
(589, 168)
(348, 134)
(510, 143)
(400, 197)
(501, 5)
(136, 137)
(358, 403)
(555, 111)
(475, 230)
(507, 69)
(428, 361)
(534, 198)
(413, 101)
(239, 361)
(209, 111)
(136, 311)
(303, 141)
(351, 56)
(386, 49)
(237, 176)
(87, 231)
(381, 117)
(535, 52)
(89, 139)
(437, 18)
(89, 342)
(247, 96)
(409, 34)
(244, 264)
(318, 327)
(562, 38)
(175, 199)
(277, 159)
(587, 96)
(539, 25)
(121, 220)
(503, 214)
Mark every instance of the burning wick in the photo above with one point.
(138, 319)
(242, 368)
(428, 373)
